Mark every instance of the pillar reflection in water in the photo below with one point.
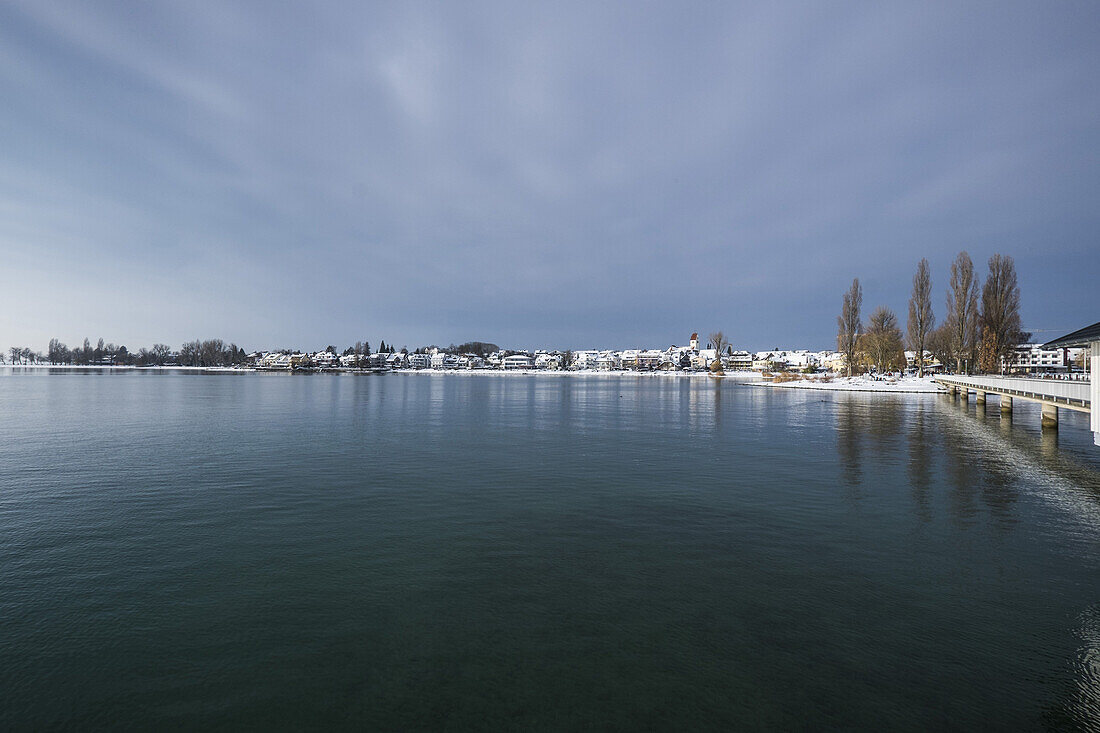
(920, 460)
(1048, 444)
(849, 440)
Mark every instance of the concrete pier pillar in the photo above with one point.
(979, 397)
(1050, 416)
(1006, 405)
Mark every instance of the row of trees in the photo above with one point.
(978, 331)
(198, 353)
(212, 352)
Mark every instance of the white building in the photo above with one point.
(1034, 358)
(738, 361)
(517, 361)
(276, 360)
(585, 359)
(608, 360)
(547, 360)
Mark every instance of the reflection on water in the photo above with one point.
(920, 461)
(425, 552)
(849, 435)
(1084, 710)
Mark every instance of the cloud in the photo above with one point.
(564, 174)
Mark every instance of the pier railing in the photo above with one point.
(1064, 393)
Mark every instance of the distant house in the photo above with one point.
(703, 358)
(834, 361)
(276, 360)
(517, 361)
(419, 361)
(470, 361)
(766, 361)
(585, 359)
(641, 358)
(547, 360)
(441, 360)
(738, 361)
(608, 360)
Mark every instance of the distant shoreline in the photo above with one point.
(744, 376)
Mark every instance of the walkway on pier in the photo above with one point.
(1071, 394)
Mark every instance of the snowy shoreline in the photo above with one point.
(127, 368)
(741, 376)
(904, 385)
(749, 376)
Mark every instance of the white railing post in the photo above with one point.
(1094, 391)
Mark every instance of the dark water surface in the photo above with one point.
(457, 552)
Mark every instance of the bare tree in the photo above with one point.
(939, 343)
(921, 319)
(1000, 315)
(56, 352)
(882, 342)
(161, 353)
(962, 310)
(849, 325)
(190, 353)
(718, 339)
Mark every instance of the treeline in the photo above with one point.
(209, 353)
(980, 330)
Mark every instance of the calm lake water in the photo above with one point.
(456, 552)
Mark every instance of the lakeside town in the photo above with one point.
(696, 356)
(979, 334)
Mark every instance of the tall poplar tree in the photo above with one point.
(849, 325)
(921, 320)
(962, 310)
(1000, 315)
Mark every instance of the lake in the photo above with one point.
(453, 552)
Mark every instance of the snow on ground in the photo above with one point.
(738, 376)
(863, 384)
(127, 367)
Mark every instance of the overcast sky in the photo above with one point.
(552, 175)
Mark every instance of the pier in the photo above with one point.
(1053, 394)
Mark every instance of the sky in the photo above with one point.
(536, 175)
